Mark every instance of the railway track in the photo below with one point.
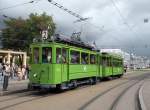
(14, 100)
(118, 97)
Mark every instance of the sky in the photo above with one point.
(111, 23)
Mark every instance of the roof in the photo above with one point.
(68, 41)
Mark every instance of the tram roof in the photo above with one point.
(68, 41)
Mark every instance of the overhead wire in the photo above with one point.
(123, 19)
(74, 14)
(17, 5)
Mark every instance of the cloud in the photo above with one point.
(105, 26)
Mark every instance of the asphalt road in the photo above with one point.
(116, 94)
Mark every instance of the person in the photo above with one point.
(6, 76)
(92, 60)
(83, 61)
(19, 73)
(27, 70)
(44, 58)
(59, 58)
(1, 72)
(64, 56)
(24, 76)
(125, 68)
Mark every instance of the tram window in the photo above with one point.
(111, 62)
(114, 63)
(107, 61)
(36, 55)
(75, 57)
(84, 58)
(120, 63)
(64, 55)
(92, 59)
(46, 55)
(58, 55)
(100, 61)
(104, 61)
(117, 63)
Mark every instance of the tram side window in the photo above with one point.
(104, 61)
(100, 60)
(111, 62)
(107, 61)
(120, 63)
(61, 57)
(75, 57)
(117, 63)
(46, 55)
(58, 55)
(64, 55)
(114, 61)
(36, 55)
(84, 58)
(92, 59)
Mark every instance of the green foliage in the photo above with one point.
(20, 32)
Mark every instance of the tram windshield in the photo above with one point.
(36, 55)
(46, 55)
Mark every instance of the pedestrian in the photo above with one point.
(6, 75)
(125, 68)
(1, 72)
(27, 70)
(23, 72)
(19, 73)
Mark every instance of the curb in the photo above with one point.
(141, 99)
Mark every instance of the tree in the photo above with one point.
(19, 32)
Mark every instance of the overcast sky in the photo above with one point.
(109, 27)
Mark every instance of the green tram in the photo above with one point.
(65, 64)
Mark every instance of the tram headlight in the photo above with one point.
(35, 75)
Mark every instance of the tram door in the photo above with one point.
(65, 64)
(104, 65)
(62, 64)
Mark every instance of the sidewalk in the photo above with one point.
(146, 94)
(14, 86)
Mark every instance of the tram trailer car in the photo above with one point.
(62, 65)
